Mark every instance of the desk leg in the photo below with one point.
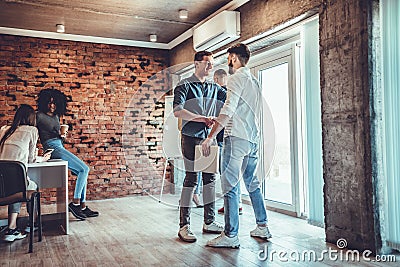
(62, 201)
(62, 208)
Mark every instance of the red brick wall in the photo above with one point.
(101, 82)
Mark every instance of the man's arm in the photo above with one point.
(190, 116)
(232, 100)
(187, 115)
(219, 124)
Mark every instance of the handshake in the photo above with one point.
(208, 121)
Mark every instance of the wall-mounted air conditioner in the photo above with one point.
(217, 31)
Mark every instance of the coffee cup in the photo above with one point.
(64, 129)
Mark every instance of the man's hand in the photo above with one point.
(205, 145)
(208, 121)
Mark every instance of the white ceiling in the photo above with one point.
(126, 22)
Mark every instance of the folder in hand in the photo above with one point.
(205, 164)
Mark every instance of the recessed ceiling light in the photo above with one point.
(153, 37)
(60, 28)
(183, 14)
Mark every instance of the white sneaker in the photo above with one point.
(185, 234)
(223, 241)
(213, 228)
(261, 231)
(13, 234)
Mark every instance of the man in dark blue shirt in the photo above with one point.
(196, 103)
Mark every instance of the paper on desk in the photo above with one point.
(208, 164)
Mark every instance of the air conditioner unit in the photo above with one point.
(217, 31)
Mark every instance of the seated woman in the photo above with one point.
(18, 143)
(52, 104)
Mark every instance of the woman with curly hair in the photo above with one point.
(52, 104)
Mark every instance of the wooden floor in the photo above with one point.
(139, 231)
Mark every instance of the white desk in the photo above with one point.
(53, 174)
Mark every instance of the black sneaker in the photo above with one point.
(90, 213)
(13, 234)
(76, 211)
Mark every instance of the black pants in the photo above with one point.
(188, 148)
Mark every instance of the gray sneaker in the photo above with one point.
(213, 228)
(185, 234)
(223, 241)
(261, 232)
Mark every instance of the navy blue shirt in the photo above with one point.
(202, 98)
(220, 135)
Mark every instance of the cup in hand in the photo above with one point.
(64, 129)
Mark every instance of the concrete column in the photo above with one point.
(345, 91)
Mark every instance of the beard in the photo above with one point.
(231, 69)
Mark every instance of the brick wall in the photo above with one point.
(103, 83)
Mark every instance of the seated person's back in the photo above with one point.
(21, 145)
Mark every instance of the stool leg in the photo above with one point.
(39, 216)
(31, 222)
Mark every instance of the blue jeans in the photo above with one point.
(220, 145)
(240, 156)
(76, 165)
(16, 207)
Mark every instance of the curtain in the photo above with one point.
(311, 83)
(390, 28)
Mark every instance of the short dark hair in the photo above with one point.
(199, 55)
(220, 72)
(242, 51)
